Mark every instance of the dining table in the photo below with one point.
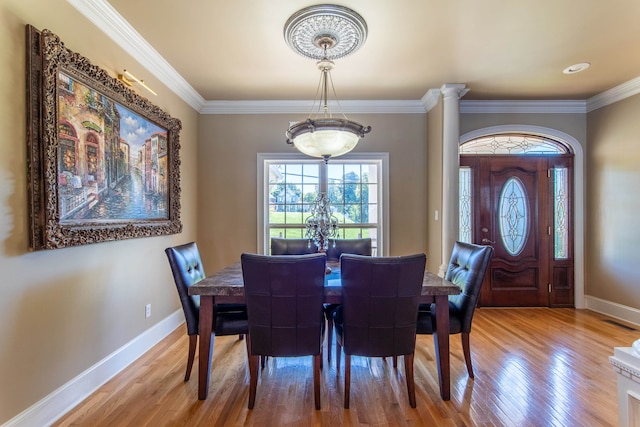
(227, 286)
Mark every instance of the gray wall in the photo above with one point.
(613, 203)
(227, 167)
(64, 310)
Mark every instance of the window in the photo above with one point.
(560, 213)
(66, 82)
(355, 184)
(466, 205)
(513, 144)
(513, 215)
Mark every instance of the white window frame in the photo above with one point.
(264, 159)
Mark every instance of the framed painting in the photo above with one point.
(102, 161)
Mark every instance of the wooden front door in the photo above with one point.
(521, 205)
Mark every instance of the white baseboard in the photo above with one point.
(619, 311)
(62, 400)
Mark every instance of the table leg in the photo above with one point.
(204, 363)
(441, 342)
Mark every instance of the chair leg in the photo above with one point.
(347, 379)
(253, 373)
(193, 343)
(241, 337)
(395, 361)
(253, 379)
(466, 348)
(317, 361)
(411, 385)
(338, 354)
(329, 338)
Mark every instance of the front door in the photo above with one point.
(521, 206)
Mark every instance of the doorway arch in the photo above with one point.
(578, 189)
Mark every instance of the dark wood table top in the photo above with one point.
(228, 282)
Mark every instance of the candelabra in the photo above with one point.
(321, 224)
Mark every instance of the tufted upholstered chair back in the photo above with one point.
(284, 303)
(187, 270)
(467, 268)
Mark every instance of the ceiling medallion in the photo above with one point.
(341, 29)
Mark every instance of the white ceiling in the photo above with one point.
(501, 49)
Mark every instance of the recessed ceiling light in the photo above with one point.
(576, 68)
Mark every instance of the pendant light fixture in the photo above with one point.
(325, 33)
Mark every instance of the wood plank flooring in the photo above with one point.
(533, 367)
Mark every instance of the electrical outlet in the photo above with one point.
(147, 310)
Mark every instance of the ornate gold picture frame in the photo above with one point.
(102, 162)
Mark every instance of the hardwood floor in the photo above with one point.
(533, 367)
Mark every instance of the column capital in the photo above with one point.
(454, 90)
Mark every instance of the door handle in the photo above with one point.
(485, 240)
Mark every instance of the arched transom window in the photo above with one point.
(516, 144)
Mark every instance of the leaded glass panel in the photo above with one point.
(513, 217)
(513, 144)
(560, 214)
(466, 218)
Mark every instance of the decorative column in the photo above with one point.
(451, 94)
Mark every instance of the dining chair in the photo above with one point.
(378, 314)
(467, 268)
(228, 319)
(280, 246)
(284, 297)
(337, 247)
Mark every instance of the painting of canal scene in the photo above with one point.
(103, 161)
(112, 162)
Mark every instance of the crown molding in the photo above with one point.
(304, 107)
(555, 107)
(430, 99)
(105, 17)
(615, 94)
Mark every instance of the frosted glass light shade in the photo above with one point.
(326, 138)
(323, 143)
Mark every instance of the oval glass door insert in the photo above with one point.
(513, 211)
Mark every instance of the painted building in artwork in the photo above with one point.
(154, 164)
(124, 162)
(88, 137)
(159, 142)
